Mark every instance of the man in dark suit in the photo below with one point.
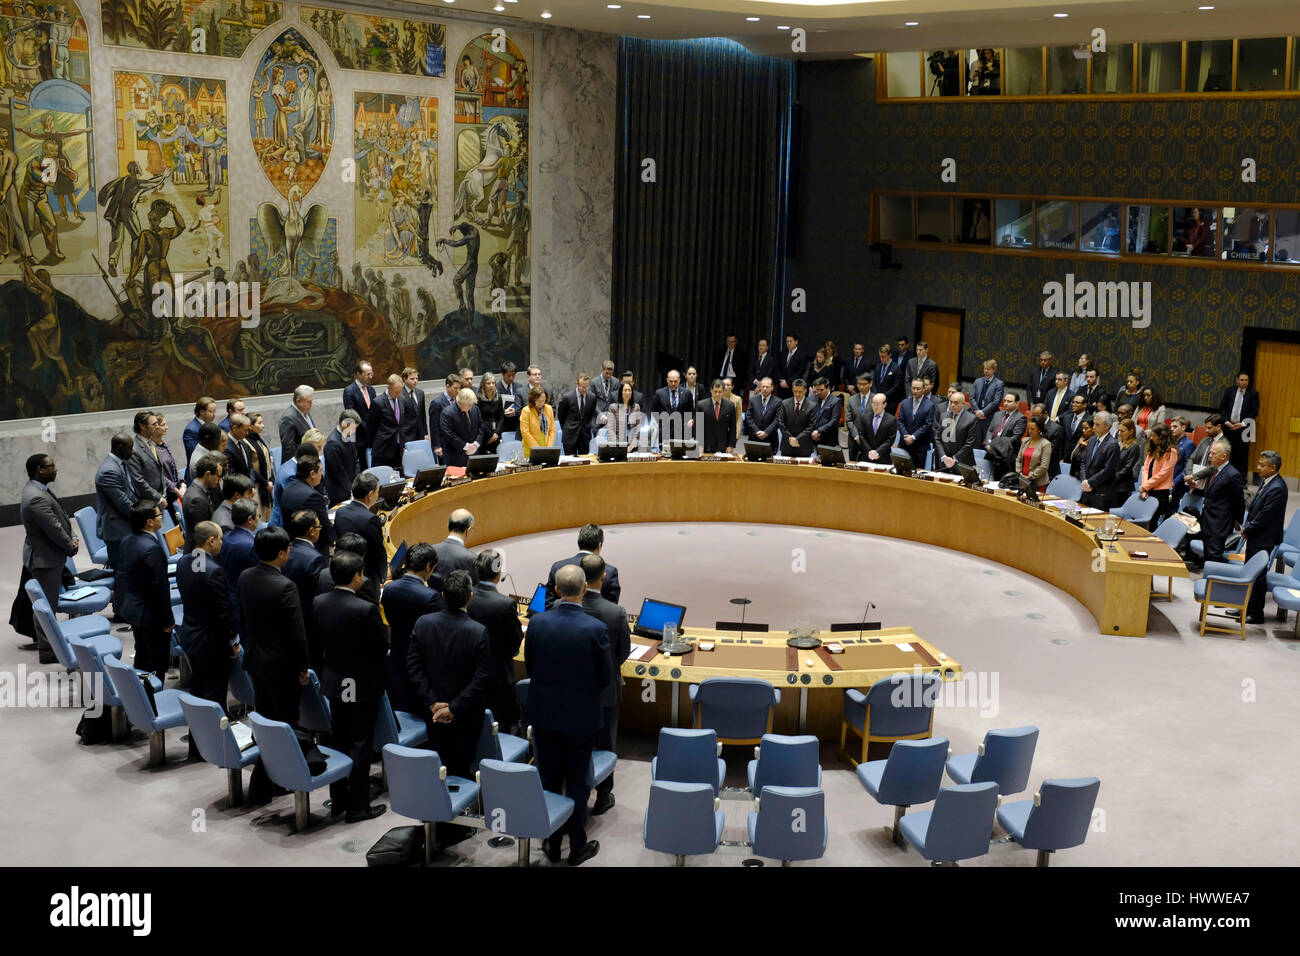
(876, 433)
(386, 426)
(1100, 468)
(954, 435)
(1002, 442)
(415, 423)
(795, 421)
(729, 362)
(1058, 399)
(915, 422)
(1264, 525)
(451, 388)
(448, 661)
(405, 600)
(576, 411)
(568, 660)
(591, 538)
(763, 412)
(512, 406)
(234, 406)
(359, 397)
(620, 646)
(985, 398)
(196, 504)
(857, 366)
(461, 429)
(274, 638)
(676, 406)
(498, 613)
(719, 421)
(1092, 391)
(205, 410)
(1072, 423)
(887, 378)
(240, 456)
(792, 364)
(303, 492)
(341, 462)
(209, 635)
(826, 418)
(114, 496)
(358, 516)
(296, 421)
(355, 643)
(922, 366)
(49, 540)
(145, 465)
(1224, 501)
(1042, 379)
(1239, 408)
(605, 387)
(1199, 460)
(146, 603)
(763, 365)
(304, 569)
(451, 550)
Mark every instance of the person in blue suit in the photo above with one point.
(1264, 525)
(915, 423)
(591, 537)
(405, 600)
(114, 496)
(237, 553)
(146, 601)
(305, 491)
(304, 568)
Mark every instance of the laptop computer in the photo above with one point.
(430, 479)
(547, 457)
(654, 615)
(480, 465)
(395, 565)
(616, 452)
(758, 451)
(830, 455)
(902, 462)
(390, 494)
(538, 603)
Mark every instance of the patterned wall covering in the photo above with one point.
(1169, 149)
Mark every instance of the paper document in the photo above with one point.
(904, 647)
(639, 651)
(76, 594)
(243, 735)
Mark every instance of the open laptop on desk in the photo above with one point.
(430, 479)
(390, 494)
(395, 565)
(538, 603)
(654, 615)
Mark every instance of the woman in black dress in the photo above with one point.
(490, 407)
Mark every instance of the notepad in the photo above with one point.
(904, 647)
(639, 651)
(76, 594)
(243, 735)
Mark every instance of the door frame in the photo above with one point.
(961, 335)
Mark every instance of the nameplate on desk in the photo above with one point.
(453, 482)
(642, 456)
(1077, 522)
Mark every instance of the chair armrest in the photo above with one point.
(756, 749)
(856, 696)
(776, 694)
(691, 690)
(1038, 799)
(1223, 571)
(717, 802)
(442, 772)
(979, 750)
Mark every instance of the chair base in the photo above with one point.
(234, 788)
(897, 835)
(121, 727)
(525, 845)
(1238, 631)
(301, 810)
(1043, 856)
(157, 748)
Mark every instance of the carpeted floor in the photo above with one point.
(1188, 734)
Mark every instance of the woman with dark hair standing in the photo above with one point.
(1080, 377)
(263, 473)
(1157, 475)
(492, 409)
(1151, 410)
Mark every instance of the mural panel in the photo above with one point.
(396, 197)
(380, 44)
(228, 25)
(291, 114)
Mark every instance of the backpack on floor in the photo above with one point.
(400, 846)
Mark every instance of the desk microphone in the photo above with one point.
(513, 589)
(870, 608)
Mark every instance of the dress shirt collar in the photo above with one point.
(455, 537)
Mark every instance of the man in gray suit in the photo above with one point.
(145, 465)
(451, 550)
(114, 498)
(620, 646)
(954, 437)
(922, 366)
(296, 421)
(50, 541)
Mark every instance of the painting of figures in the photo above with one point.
(396, 194)
(225, 27)
(380, 44)
(291, 114)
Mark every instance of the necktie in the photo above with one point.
(154, 448)
(1056, 403)
(875, 424)
(580, 404)
(796, 407)
(717, 411)
(764, 412)
(726, 364)
(397, 411)
(310, 423)
(1236, 406)
(1091, 451)
(365, 394)
(1001, 426)
(862, 403)
(674, 394)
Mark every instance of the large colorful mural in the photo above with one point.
(380, 44)
(291, 114)
(225, 27)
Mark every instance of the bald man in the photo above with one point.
(451, 550)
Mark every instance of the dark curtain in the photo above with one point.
(699, 252)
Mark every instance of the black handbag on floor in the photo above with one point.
(400, 846)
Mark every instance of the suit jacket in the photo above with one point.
(210, 627)
(452, 556)
(853, 416)
(299, 496)
(620, 642)
(1050, 398)
(355, 642)
(1040, 461)
(956, 441)
(793, 365)
(887, 379)
(760, 419)
(720, 433)
(568, 660)
(49, 532)
(1249, 406)
(662, 401)
(1072, 430)
(853, 367)
(147, 603)
(456, 432)
(610, 591)
(878, 440)
(1092, 395)
(1130, 466)
(405, 600)
(303, 568)
(146, 471)
(1100, 466)
(1200, 456)
(1266, 516)
(500, 618)
(341, 466)
(190, 437)
(573, 422)
(919, 369)
(356, 517)
(274, 636)
(985, 396)
(435, 418)
(1055, 434)
(293, 425)
(826, 421)
(797, 425)
(606, 392)
(385, 430)
(239, 458)
(1014, 428)
(1224, 503)
(916, 419)
(355, 399)
(449, 660)
(738, 368)
(764, 366)
(114, 497)
(196, 506)
(415, 424)
(509, 424)
(1041, 381)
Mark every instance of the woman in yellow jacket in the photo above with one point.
(537, 421)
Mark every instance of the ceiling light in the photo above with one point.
(613, 6)
(1207, 7)
(911, 23)
(643, 16)
(546, 14)
(1060, 16)
(783, 28)
(752, 19)
(500, 7)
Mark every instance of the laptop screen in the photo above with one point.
(538, 604)
(655, 614)
(395, 565)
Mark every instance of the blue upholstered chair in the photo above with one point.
(276, 461)
(684, 819)
(602, 761)
(241, 685)
(1289, 549)
(789, 823)
(1065, 486)
(417, 455)
(509, 449)
(494, 745)
(314, 707)
(1057, 818)
(88, 523)
(911, 775)
(689, 756)
(384, 473)
(894, 708)
(738, 709)
(91, 629)
(784, 762)
(398, 727)
(91, 603)
(419, 788)
(130, 691)
(210, 730)
(1228, 584)
(1063, 468)
(1137, 509)
(285, 764)
(959, 825)
(514, 803)
(1004, 758)
(1173, 533)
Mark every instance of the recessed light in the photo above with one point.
(911, 23)
(1207, 7)
(500, 7)
(783, 28)
(546, 14)
(643, 16)
(752, 19)
(613, 6)
(1060, 16)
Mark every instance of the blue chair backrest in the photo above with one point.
(415, 786)
(1065, 486)
(787, 762)
(88, 522)
(281, 754)
(735, 707)
(914, 772)
(1008, 755)
(521, 695)
(48, 623)
(961, 822)
(386, 729)
(313, 708)
(218, 747)
(415, 459)
(902, 704)
(1172, 532)
(791, 824)
(1192, 504)
(509, 450)
(1291, 535)
(167, 522)
(680, 818)
(275, 459)
(1062, 818)
(383, 472)
(512, 799)
(489, 745)
(126, 684)
(687, 756)
(91, 666)
(240, 683)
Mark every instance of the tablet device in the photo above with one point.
(395, 565)
(655, 614)
(538, 603)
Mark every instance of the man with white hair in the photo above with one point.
(461, 428)
(296, 421)
(1225, 501)
(1100, 468)
(386, 425)
(955, 433)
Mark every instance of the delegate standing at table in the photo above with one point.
(620, 646)
(537, 422)
(1224, 501)
(1263, 526)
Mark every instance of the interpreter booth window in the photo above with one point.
(895, 218)
(903, 74)
(1056, 224)
(1112, 71)
(1161, 67)
(1148, 230)
(984, 72)
(943, 73)
(1099, 227)
(1194, 231)
(1066, 73)
(1261, 64)
(1209, 66)
(976, 224)
(1015, 223)
(1024, 69)
(1286, 237)
(1246, 234)
(933, 219)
